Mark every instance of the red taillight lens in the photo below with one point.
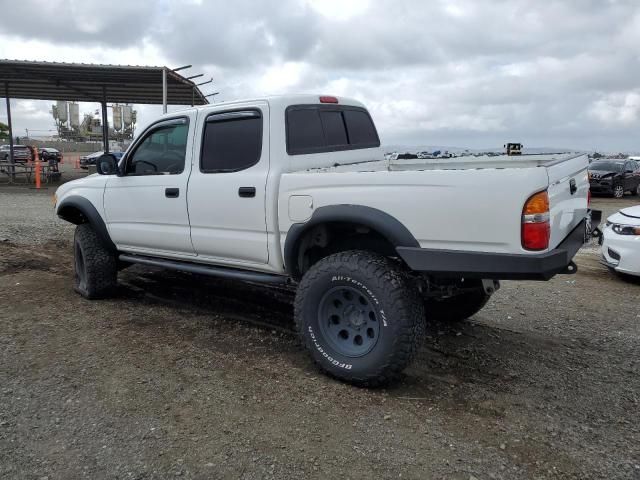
(535, 236)
(536, 229)
(327, 99)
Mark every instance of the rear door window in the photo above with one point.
(232, 141)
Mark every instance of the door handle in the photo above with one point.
(247, 192)
(172, 192)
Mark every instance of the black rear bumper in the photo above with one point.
(501, 266)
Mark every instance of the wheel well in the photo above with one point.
(328, 238)
(72, 215)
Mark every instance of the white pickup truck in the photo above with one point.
(295, 189)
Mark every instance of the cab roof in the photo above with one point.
(292, 99)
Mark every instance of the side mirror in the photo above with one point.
(107, 164)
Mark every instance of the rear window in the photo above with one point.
(606, 166)
(334, 128)
(328, 128)
(360, 127)
(304, 130)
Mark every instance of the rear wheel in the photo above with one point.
(456, 308)
(95, 267)
(360, 317)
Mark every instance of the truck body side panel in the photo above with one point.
(474, 210)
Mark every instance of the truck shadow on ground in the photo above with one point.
(471, 353)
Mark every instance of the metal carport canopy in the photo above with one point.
(96, 83)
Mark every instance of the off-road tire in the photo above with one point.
(393, 300)
(456, 308)
(95, 266)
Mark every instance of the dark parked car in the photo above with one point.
(614, 177)
(92, 157)
(48, 154)
(21, 153)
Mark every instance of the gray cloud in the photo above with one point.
(466, 72)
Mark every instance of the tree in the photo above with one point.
(4, 131)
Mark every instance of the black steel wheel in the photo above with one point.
(360, 317)
(347, 320)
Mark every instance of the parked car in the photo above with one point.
(295, 190)
(21, 153)
(621, 241)
(48, 154)
(90, 159)
(614, 177)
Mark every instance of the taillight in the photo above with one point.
(589, 198)
(536, 229)
(328, 99)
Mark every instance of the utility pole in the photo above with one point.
(164, 90)
(12, 160)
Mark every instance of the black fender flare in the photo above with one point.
(89, 215)
(383, 223)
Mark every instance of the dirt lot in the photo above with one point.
(198, 378)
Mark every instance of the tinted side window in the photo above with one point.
(304, 130)
(360, 128)
(161, 151)
(231, 142)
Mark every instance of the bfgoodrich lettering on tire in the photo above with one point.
(360, 317)
(95, 267)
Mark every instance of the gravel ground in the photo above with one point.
(26, 214)
(184, 376)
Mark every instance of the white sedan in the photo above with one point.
(621, 241)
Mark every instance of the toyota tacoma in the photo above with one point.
(296, 190)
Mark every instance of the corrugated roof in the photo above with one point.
(89, 82)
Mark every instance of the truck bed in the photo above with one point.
(464, 203)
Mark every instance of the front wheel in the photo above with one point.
(95, 267)
(618, 191)
(360, 317)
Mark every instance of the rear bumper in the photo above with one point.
(501, 266)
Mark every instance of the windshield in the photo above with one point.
(606, 166)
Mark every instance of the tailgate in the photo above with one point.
(568, 195)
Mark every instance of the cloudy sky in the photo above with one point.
(468, 73)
